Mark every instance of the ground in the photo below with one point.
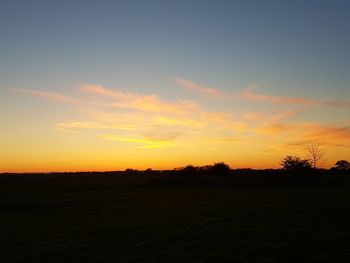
(137, 219)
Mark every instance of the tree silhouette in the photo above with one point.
(294, 163)
(190, 170)
(314, 154)
(342, 165)
(220, 169)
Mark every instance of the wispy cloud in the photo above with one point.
(179, 122)
(217, 116)
(301, 134)
(334, 141)
(49, 95)
(276, 116)
(150, 121)
(337, 103)
(247, 94)
(146, 141)
(251, 94)
(189, 85)
(145, 120)
(274, 128)
(327, 133)
(81, 125)
(128, 100)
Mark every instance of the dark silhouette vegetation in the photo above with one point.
(294, 163)
(342, 165)
(293, 169)
(314, 154)
(191, 214)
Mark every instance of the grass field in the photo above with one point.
(136, 219)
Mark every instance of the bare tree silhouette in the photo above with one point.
(314, 154)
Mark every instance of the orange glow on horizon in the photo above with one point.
(101, 129)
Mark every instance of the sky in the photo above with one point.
(109, 85)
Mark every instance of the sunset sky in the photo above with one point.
(110, 85)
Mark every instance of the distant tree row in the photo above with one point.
(296, 163)
(220, 168)
(314, 155)
(290, 164)
(215, 169)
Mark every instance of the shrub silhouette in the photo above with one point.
(189, 170)
(292, 163)
(130, 171)
(342, 165)
(220, 169)
(150, 171)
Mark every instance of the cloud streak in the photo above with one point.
(149, 141)
(251, 94)
(189, 85)
(128, 100)
(148, 121)
(143, 120)
(247, 94)
(49, 95)
(302, 134)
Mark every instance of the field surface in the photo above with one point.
(140, 219)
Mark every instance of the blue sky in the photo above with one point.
(286, 44)
(284, 48)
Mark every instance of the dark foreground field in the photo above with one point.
(104, 218)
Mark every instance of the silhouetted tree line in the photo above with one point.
(290, 165)
(294, 170)
(217, 169)
(293, 166)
